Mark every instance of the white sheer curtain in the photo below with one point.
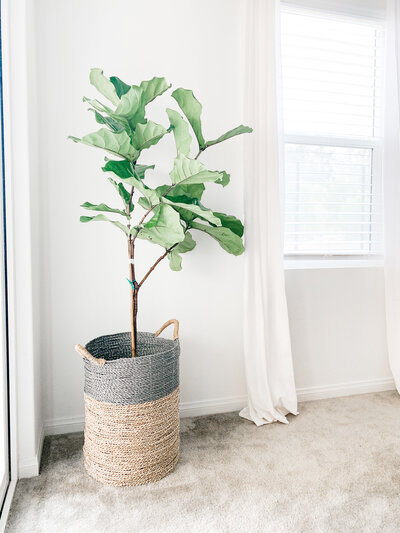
(391, 187)
(268, 356)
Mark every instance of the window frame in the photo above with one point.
(338, 260)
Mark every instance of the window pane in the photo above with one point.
(332, 69)
(329, 207)
(332, 75)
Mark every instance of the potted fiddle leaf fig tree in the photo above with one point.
(134, 374)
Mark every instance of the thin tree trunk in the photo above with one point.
(134, 294)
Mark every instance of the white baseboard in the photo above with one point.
(58, 426)
(30, 467)
(212, 407)
(352, 388)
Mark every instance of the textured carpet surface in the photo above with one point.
(334, 468)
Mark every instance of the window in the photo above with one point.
(332, 82)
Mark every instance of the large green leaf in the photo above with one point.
(103, 207)
(228, 240)
(103, 85)
(124, 194)
(132, 107)
(188, 171)
(119, 225)
(192, 191)
(121, 88)
(231, 222)
(175, 260)
(114, 125)
(144, 202)
(153, 88)
(123, 169)
(98, 106)
(205, 214)
(183, 139)
(164, 228)
(125, 173)
(115, 143)
(147, 134)
(186, 245)
(229, 134)
(191, 108)
(225, 179)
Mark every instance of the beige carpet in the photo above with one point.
(334, 468)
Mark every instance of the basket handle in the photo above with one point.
(168, 323)
(87, 355)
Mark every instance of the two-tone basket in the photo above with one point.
(131, 407)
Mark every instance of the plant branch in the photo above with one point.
(156, 263)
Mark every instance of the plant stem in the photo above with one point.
(156, 263)
(134, 294)
(135, 288)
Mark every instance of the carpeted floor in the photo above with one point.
(334, 468)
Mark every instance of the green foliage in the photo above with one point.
(123, 169)
(189, 171)
(119, 225)
(103, 207)
(108, 121)
(228, 240)
(192, 109)
(224, 180)
(115, 143)
(171, 210)
(147, 134)
(103, 85)
(180, 127)
(121, 88)
(198, 211)
(131, 107)
(229, 134)
(154, 88)
(124, 194)
(164, 228)
(175, 260)
(231, 222)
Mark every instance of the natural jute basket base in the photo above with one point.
(131, 444)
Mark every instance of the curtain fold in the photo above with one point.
(268, 355)
(391, 187)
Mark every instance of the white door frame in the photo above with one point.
(25, 421)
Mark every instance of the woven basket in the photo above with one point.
(131, 407)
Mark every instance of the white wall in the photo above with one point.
(336, 315)
(337, 323)
(84, 287)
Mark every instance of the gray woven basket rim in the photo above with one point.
(126, 361)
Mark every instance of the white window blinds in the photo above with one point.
(332, 83)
